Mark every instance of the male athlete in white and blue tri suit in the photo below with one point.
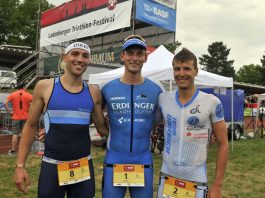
(190, 117)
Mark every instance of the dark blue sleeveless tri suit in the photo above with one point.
(66, 120)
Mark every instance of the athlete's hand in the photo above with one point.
(212, 139)
(215, 192)
(22, 180)
(41, 135)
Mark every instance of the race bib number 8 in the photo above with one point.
(176, 188)
(128, 175)
(73, 172)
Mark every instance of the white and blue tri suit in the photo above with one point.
(131, 111)
(187, 129)
(66, 120)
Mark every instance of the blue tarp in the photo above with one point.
(239, 97)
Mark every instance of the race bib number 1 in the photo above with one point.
(73, 172)
(128, 175)
(176, 188)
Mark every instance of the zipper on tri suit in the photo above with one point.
(181, 132)
(132, 118)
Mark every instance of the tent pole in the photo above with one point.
(232, 116)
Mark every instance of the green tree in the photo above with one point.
(7, 8)
(262, 71)
(172, 46)
(262, 60)
(250, 74)
(22, 21)
(217, 61)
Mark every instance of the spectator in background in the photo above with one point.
(20, 101)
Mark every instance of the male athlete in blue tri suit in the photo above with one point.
(190, 117)
(68, 104)
(132, 104)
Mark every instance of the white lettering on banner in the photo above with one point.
(161, 13)
(93, 23)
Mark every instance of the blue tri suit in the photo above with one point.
(66, 121)
(132, 110)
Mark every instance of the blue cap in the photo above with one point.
(133, 41)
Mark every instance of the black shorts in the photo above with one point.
(48, 186)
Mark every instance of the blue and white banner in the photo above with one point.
(156, 14)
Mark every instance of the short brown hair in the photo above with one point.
(185, 55)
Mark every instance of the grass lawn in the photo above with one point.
(245, 174)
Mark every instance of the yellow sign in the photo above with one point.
(73, 171)
(176, 188)
(128, 175)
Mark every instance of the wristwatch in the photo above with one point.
(19, 165)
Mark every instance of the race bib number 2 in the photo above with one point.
(176, 188)
(73, 172)
(128, 175)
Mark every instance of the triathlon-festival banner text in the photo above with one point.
(149, 11)
(78, 19)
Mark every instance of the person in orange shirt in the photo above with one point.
(20, 100)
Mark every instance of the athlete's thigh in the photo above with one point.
(147, 190)
(107, 185)
(48, 185)
(85, 189)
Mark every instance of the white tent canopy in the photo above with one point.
(159, 67)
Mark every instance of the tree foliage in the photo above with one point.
(250, 74)
(262, 60)
(172, 46)
(217, 61)
(18, 21)
(262, 71)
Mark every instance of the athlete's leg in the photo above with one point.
(147, 190)
(85, 189)
(48, 182)
(108, 190)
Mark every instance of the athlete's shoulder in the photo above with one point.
(165, 96)
(207, 95)
(45, 83)
(108, 83)
(154, 84)
(208, 98)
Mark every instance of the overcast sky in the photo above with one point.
(240, 24)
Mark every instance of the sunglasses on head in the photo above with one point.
(134, 36)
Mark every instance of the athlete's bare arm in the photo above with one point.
(97, 114)
(220, 132)
(40, 97)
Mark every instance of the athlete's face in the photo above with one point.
(184, 74)
(76, 61)
(133, 58)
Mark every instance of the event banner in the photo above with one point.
(156, 14)
(67, 23)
